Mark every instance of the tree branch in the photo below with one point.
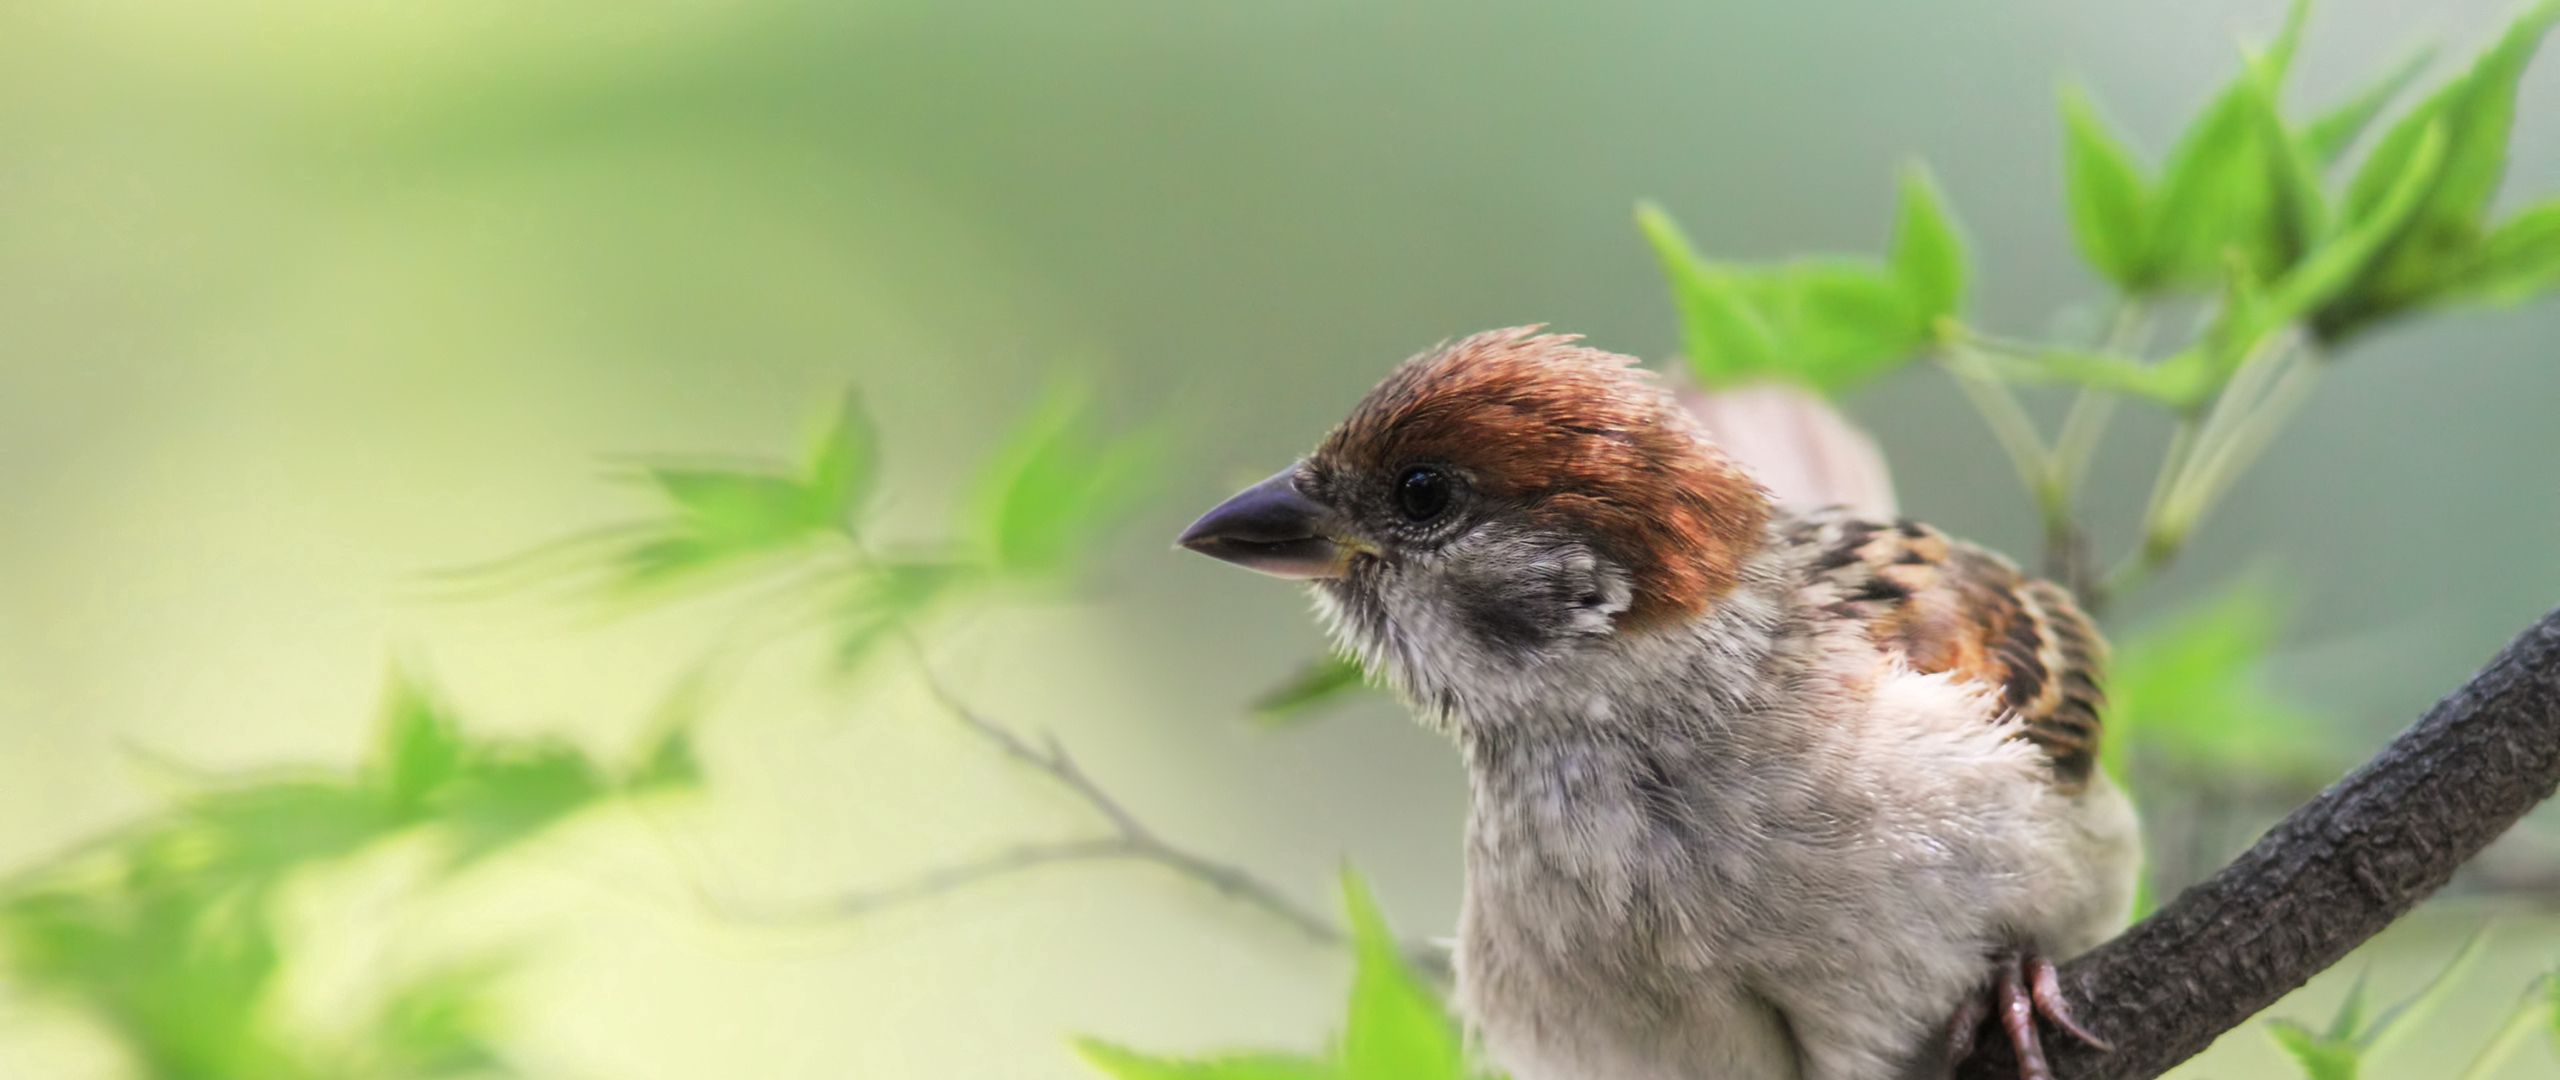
(2323, 880)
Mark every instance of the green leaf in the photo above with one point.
(2516, 261)
(512, 792)
(2298, 211)
(2348, 1021)
(1397, 1028)
(441, 1024)
(889, 596)
(734, 509)
(2335, 287)
(2110, 200)
(1320, 682)
(2550, 987)
(419, 750)
(2329, 136)
(669, 764)
(1851, 321)
(2477, 111)
(2216, 191)
(2280, 52)
(253, 835)
(1057, 485)
(2232, 181)
(2321, 1058)
(841, 465)
(1124, 1064)
(667, 760)
(2189, 689)
(2471, 116)
(1728, 342)
(1928, 252)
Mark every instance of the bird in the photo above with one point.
(1756, 792)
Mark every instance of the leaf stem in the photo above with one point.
(2002, 413)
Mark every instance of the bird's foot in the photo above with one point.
(2023, 987)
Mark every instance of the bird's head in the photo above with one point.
(1496, 503)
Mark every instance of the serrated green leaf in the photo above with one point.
(2471, 116)
(1728, 342)
(1928, 251)
(1397, 1029)
(2325, 275)
(2328, 137)
(733, 509)
(513, 791)
(419, 749)
(2298, 211)
(2337, 287)
(2189, 689)
(2319, 1057)
(2288, 41)
(669, 764)
(1124, 1064)
(2348, 1021)
(1057, 485)
(1850, 322)
(842, 464)
(891, 595)
(667, 760)
(2110, 201)
(252, 836)
(1318, 683)
(2550, 988)
(2516, 261)
(440, 1024)
(2477, 110)
(2217, 191)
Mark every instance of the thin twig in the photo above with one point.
(1130, 839)
(2001, 411)
(1133, 839)
(956, 876)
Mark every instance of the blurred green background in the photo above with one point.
(303, 298)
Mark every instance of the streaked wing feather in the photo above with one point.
(1948, 606)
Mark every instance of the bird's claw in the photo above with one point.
(2024, 986)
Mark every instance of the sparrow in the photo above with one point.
(1755, 793)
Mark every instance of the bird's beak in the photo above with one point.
(1272, 528)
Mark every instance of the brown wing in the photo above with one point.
(1948, 606)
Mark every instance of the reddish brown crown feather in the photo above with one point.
(1588, 439)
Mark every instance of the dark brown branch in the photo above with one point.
(2323, 880)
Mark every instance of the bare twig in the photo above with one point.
(958, 876)
(1131, 839)
(2324, 880)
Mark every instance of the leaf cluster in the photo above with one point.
(166, 932)
(1040, 506)
(2245, 207)
(1827, 323)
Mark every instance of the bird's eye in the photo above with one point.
(1422, 493)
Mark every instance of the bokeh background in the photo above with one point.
(300, 299)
